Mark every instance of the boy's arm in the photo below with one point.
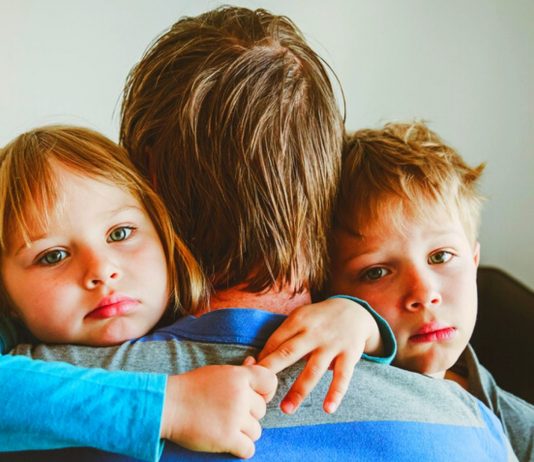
(387, 349)
(333, 333)
(56, 405)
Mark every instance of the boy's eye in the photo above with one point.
(439, 257)
(120, 234)
(374, 274)
(53, 257)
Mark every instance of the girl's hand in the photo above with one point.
(217, 408)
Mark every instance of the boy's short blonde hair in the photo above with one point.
(233, 117)
(405, 165)
(29, 196)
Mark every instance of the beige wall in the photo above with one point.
(467, 67)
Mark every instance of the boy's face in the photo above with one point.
(97, 275)
(422, 280)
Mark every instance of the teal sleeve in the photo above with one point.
(56, 405)
(388, 338)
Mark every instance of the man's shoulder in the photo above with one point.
(379, 392)
(241, 326)
(383, 405)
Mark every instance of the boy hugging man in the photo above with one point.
(405, 241)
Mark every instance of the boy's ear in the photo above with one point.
(476, 253)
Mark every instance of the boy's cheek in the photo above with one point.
(341, 283)
(342, 245)
(339, 276)
(344, 283)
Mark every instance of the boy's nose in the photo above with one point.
(100, 270)
(422, 292)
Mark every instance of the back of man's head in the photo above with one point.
(233, 117)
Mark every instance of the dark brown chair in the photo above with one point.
(504, 333)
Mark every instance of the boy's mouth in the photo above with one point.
(114, 305)
(433, 332)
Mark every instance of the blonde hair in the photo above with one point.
(28, 194)
(409, 166)
(233, 117)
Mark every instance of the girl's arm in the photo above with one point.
(55, 405)
(47, 405)
(50, 405)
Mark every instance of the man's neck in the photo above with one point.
(275, 300)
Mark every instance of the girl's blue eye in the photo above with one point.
(120, 234)
(53, 257)
(440, 257)
(374, 274)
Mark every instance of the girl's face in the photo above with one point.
(97, 275)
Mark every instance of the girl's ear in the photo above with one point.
(9, 312)
(6, 307)
(476, 254)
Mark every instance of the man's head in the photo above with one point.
(406, 240)
(233, 117)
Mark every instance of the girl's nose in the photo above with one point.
(100, 270)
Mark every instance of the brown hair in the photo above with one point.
(28, 192)
(233, 117)
(407, 165)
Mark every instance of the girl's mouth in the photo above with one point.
(115, 305)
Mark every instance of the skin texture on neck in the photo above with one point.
(460, 380)
(280, 300)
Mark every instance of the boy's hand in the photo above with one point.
(217, 408)
(333, 333)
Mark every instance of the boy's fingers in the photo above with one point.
(315, 368)
(286, 354)
(279, 336)
(270, 346)
(343, 370)
(263, 381)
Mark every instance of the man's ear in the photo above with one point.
(476, 253)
